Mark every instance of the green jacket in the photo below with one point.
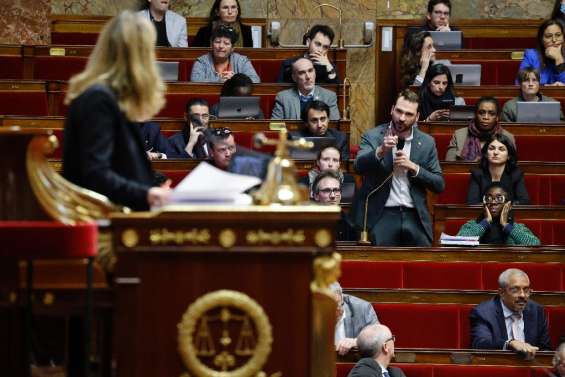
(519, 233)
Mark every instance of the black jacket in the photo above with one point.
(368, 367)
(104, 151)
(513, 183)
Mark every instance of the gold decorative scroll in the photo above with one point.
(61, 199)
(327, 270)
(194, 236)
(290, 236)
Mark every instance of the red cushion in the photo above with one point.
(24, 103)
(442, 142)
(543, 276)
(441, 329)
(342, 369)
(11, 67)
(47, 239)
(456, 187)
(498, 72)
(361, 274)
(437, 275)
(556, 323)
(540, 148)
(476, 370)
(57, 68)
(518, 43)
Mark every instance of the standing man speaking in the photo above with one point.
(399, 164)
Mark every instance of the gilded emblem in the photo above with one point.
(323, 238)
(227, 238)
(226, 334)
(130, 238)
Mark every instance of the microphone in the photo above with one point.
(364, 238)
(400, 144)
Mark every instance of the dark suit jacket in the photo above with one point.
(488, 329)
(368, 367)
(178, 143)
(202, 38)
(513, 182)
(285, 73)
(154, 140)
(423, 152)
(341, 140)
(104, 151)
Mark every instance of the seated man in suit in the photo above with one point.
(290, 103)
(510, 321)
(318, 40)
(376, 347)
(156, 145)
(221, 145)
(353, 315)
(316, 118)
(437, 19)
(191, 141)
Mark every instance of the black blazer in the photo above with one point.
(153, 139)
(513, 183)
(178, 144)
(202, 38)
(104, 151)
(368, 367)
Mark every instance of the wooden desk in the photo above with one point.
(168, 260)
(517, 129)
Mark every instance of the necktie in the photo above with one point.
(516, 334)
(385, 374)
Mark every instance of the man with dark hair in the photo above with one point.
(318, 40)
(376, 347)
(510, 321)
(239, 85)
(399, 164)
(290, 103)
(326, 189)
(221, 145)
(316, 118)
(437, 19)
(191, 141)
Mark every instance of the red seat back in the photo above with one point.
(361, 274)
(34, 103)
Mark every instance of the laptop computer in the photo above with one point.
(169, 70)
(447, 40)
(538, 112)
(466, 74)
(239, 107)
(320, 142)
(461, 113)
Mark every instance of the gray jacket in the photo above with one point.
(175, 25)
(358, 314)
(203, 68)
(287, 103)
(423, 152)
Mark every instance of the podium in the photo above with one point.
(226, 291)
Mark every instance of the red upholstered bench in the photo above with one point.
(456, 187)
(362, 274)
(519, 43)
(11, 67)
(57, 68)
(500, 72)
(15, 102)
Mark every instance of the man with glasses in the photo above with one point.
(221, 145)
(352, 315)
(326, 189)
(376, 347)
(191, 141)
(437, 19)
(510, 321)
(495, 225)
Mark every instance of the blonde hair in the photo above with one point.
(124, 60)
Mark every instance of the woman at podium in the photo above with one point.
(103, 146)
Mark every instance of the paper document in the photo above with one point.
(446, 239)
(208, 184)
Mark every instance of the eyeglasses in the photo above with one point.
(440, 13)
(497, 199)
(328, 191)
(393, 338)
(221, 131)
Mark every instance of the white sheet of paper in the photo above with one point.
(206, 183)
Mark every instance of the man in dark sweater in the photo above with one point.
(318, 40)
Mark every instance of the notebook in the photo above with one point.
(239, 107)
(447, 40)
(538, 112)
(169, 70)
(465, 74)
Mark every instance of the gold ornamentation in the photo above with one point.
(194, 236)
(327, 270)
(130, 238)
(48, 298)
(227, 238)
(222, 312)
(61, 199)
(323, 238)
(291, 236)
